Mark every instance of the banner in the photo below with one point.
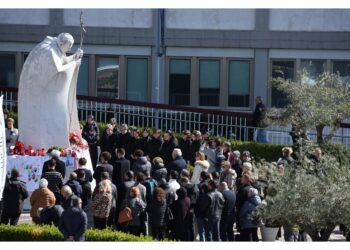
(2, 149)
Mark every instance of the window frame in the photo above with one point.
(97, 56)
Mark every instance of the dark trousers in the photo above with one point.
(12, 218)
(36, 220)
(111, 218)
(212, 231)
(226, 228)
(58, 198)
(158, 233)
(94, 155)
(100, 223)
(249, 234)
(135, 230)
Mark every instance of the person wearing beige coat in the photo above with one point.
(41, 198)
(200, 165)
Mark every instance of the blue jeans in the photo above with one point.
(200, 224)
(261, 135)
(212, 230)
(291, 236)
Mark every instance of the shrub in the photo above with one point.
(26, 232)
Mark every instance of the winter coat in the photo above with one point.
(108, 143)
(246, 212)
(153, 147)
(55, 181)
(216, 205)
(229, 205)
(73, 222)
(88, 174)
(41, 197)
(229, 177)
(86, 194)
(211, 157)
(101, 204)
(259, 115)
(195, 147)
(75, 186)
(14, 193)
(158, 172)
(137, 207)
(202, 207)
(177, 165)
(141, 165)
(156, 210)
(125, 141)
(236, 165)
(60, 167)
(185, 146)
(86, 130)
(199, 167)
(181, 213)
(143, 143)
(68, 202)
(105, 167)
(120, 167)
(167, 150)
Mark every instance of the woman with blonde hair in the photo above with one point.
(200, 165)
(101, 204)
(286, 157)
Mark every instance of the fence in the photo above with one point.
(234, 125)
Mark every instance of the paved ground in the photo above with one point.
(337, 235)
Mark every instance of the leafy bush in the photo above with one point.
(26, 232)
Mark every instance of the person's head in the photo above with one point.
(10, 123)
(185, 135)
(145, 133)
(204, 176)
(129, 175)
(184, 181)
(215, 175)
(318, 152)
(246, 155)
(136, 134)
(105, 176)
(217, 143)
(55, 153)
(205, 188)
(51, 164)
(156, 133)
(6, 113)
(135, 192)
(105, 186)
(227, 165)
(120, 153)
(287, 151)
(77, 202)
(92, 129)
(113, 122)
(176, 153)
(212, 185)
(280, 167)
(247, 178)
(223, 186)
(140, 177)
(236, 154)
(73, 176)
(138, 153)
(109, 129)
(66, 191)
(196, 135)
(258, 100)
(14, 173)
(43, 183)
(82, 162)
(105, 156)
(227, 146)
(157, 161)
(252, 192)
(65, 42)
(90, 119)
(181, 193)
(185, 173)
(247, 166)
(174, 175)
(168, 135)
(81, 174)
(200, 156)
(124, 129)
(159, 194)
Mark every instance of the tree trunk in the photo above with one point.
(319, 130)
(323, 236)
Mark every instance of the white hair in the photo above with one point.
(43, 183)
(64, 38)
(55, 153)
(247, 165)
(177, 152)
(67, 189)
(237, 153)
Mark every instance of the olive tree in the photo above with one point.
(313, 103)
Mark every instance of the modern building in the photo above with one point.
(220, 58)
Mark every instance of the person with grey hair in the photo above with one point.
(67, 197)
(247, 166)
(236, 163)
(249, 226)
(41, 197)
(60, 165)
(178, 163)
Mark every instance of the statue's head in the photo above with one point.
(65, 42)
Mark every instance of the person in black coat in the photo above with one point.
(82, 166)
(169, 144)
(178, 163)
(120, 167)
(124, 140)
(74, 184)
(60, 165)
(158, 170)
(196, 145)
(86, 188)
(156, 209)
(67, 197)
(91, 122)
(108, 142)
(154, 145)
(136, 140)
(104, 167)
(144, 139)
(228, 213)
(54, 179)
(202, 210)
(14, 193)
(91, 138)
(185, 145)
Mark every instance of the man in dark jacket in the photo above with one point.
(74, 184)
(15, 192)
(150, 185)
(158, 171)
(185, 145)
(124, 140)
(108, 142)
(104, 167)
(54, 179)
(178, 163)
(67, 197)
(228, 213)
(202, 211)
(73, 222)
(168, 146)
(259, 116)
(141, 163)
(196, 145)
(120, 167)
(86, 188)
(60, 165)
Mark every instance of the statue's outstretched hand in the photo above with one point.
(78, 62)
(79, 53)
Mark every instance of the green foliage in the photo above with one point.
(26, 232)
(259, 151)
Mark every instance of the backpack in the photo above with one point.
(125, 216)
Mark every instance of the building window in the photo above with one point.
(343, 68)
(238, 80)
(179, 82)
(314, 68)
(83, 77)
(285, 70)
(137, 79)
(107, 72)
(209, 82)
(8, 70)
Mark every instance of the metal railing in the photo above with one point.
(233, 125)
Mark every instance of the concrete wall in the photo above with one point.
(228, 19)
(116, 18)
(25, 16)
(310, 20)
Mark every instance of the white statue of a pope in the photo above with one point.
(47, 94)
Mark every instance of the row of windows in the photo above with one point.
(208, 78)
